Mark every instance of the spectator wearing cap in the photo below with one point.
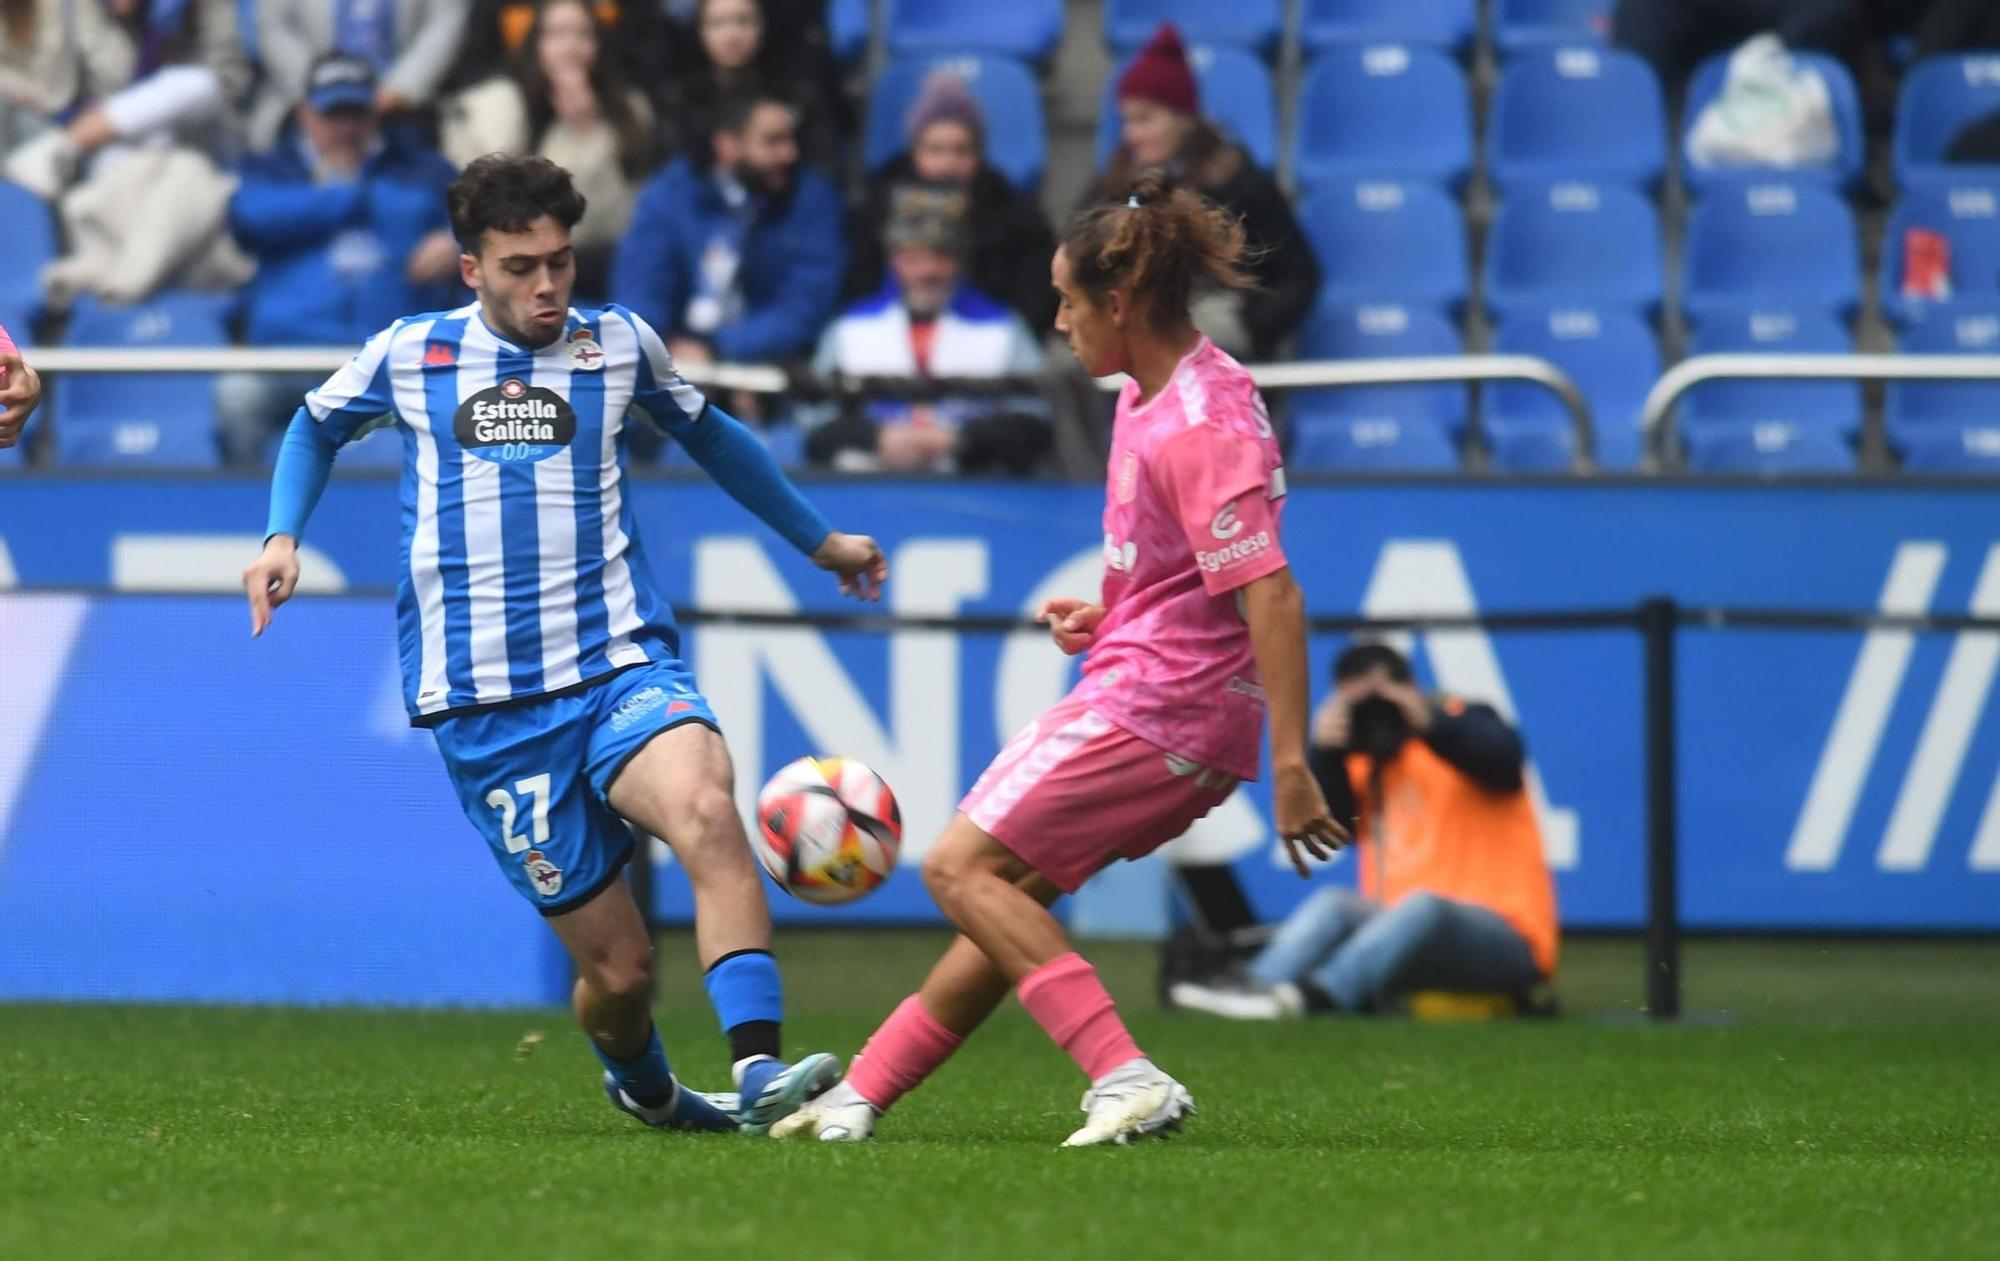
(410, 44)
(1008, 242)
(928, 321)
(1159, 109)
(347, 223)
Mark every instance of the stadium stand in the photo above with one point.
(145, 419)
(1613, 358)
(1254, 24)
(1845, 168)
(1028, 29)
(1940, 96)
(1236, 95)
(1383, 111)
(1449, 24)
(1966, 215)
(25, 248)
(1771, 426)
(1574, 245)
(1009, 97)
(1409, 428)
(1519, 24)
(1771, 247)
(1576, 113)
(1948, 426)
(1382, 242)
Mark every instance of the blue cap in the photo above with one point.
(340, 81)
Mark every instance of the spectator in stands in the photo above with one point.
(347, 222)
(736, 46)
(927, 321)
(567, 100)
(1677, 35)
(410, 44)
(738, 255)
(20, 391)
(1008, 242)
(1162, 127)
(638, 40)
(1455, 890)
(78, 76)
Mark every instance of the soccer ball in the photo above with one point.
(828, 829)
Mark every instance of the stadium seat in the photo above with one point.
(1387, 243)
(145, 419)
(1236, 95)
(1843, 171)
(1383, 331)
(847, 28)
(1939, 97)
(1252, 24)
(1613, 358)
(1771, 426)
(25, 248)
(1028, 29)
(1016, 143)
(1519, 24)
(1383, 112)
(1948, 426)
(1574, 245)
(1576, 113)
(1381, 445)
(1967, 216)
(1443, 23)
(1770, 247)
(377, 452)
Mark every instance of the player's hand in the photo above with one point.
(1071, 622)
(859, 562)
(20, 394)
(1305, 821)
(270, 580)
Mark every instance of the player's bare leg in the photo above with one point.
(679, 787)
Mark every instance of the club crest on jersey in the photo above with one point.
(514, 423)
(543, 874)
(585, 355)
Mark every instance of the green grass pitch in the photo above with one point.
(1848, 1107)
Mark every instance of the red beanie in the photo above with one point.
(1160, 74)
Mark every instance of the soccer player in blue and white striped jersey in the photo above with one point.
(534, 646)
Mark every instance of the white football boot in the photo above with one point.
(1133, 1101)
(840, 1115)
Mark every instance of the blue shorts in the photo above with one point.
(534, 778)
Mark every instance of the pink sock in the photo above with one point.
(906, 1049)
(1070, 1003)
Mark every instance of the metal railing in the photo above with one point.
(1660, 437)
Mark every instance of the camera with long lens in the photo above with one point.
(1378, 727)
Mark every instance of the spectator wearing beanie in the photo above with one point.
(1008, 243)
(1162, 126)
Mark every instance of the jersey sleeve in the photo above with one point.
(358, 397)
(1218, 488)
(662, 396)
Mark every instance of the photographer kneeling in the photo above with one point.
(1455, 890)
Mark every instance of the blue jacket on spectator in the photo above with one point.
(794, 261)
(331, 257)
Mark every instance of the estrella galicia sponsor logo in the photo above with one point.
(637, 706)
(514, 423)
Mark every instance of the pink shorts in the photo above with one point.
(1074, 791)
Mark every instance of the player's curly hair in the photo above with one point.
(509, 193)
(1155, 244)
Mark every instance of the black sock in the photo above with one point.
(753, 1038)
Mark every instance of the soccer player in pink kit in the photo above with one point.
(1199, 630)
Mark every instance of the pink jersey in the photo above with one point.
(1195, 489)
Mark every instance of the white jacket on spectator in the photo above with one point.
(976, 337)
(291, 34)
(76, 53)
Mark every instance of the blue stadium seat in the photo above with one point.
(1384, 331)
(26, 246)
(1614, 359)
(847, 28)
(1967, 215)
(1770, 247)
(1519, 24)
(1444, 23)
(1027, 29)
(1843, 171)
(1948, 426)
(1938, 98)
(1236, 94)
(1252, 24)
(1381, 112)
(1016, 143)
(1387, 243)
(1576, 113)
(1574, 245)
(143, 419)
(1771, 426)
(1380, 445)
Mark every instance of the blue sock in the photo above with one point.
(647, 1079)
(749, 1002)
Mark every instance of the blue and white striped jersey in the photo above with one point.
(522, 570)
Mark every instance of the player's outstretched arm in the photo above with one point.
(857, 560)
(271, 579)
(304, 461)
(1275, 610)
